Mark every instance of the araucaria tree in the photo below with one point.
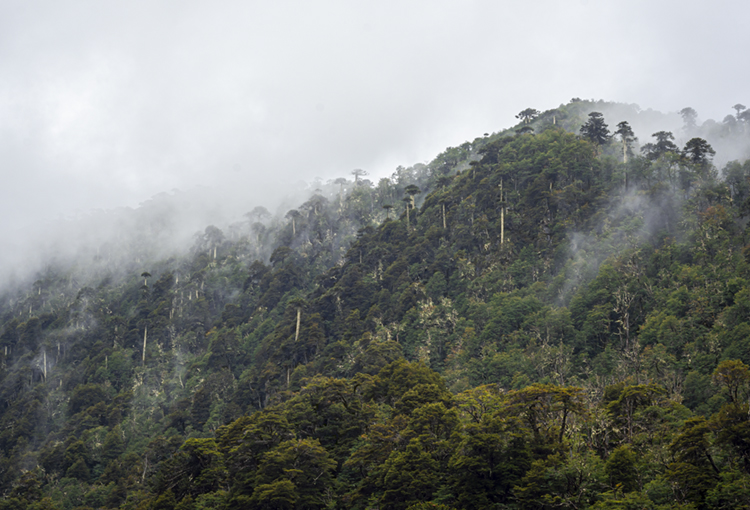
(595, 130)
(627, 137)
(527, 115)
(293, 215)
(388, 208)
(357, 173)
(412, 190)
(698, 151)
(663, 145)
(689, 117)
(407, 204)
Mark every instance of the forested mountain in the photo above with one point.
(551, 316)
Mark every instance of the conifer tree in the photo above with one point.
(627, 137)
(595, 130)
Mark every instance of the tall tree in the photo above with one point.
(527, 115)
(663, 145)
(145, 336)
(340, 181)
(739, 107)
(299, 304)
(294, 215)
(595, 130)
(258, 213)
(689, 117)
(698, 151)
(407, 203)
(357, 173)
(412, 190)
(388, 208)
(627, 137)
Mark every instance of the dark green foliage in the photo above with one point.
(622, 470)
(595, 130)
(543, 327)
(663, 145)
(698, 151)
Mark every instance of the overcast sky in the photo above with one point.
(105, 104)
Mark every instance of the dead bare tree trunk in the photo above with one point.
(145, 468)
(145, 335)
(299, 315)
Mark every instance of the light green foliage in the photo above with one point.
(301, 462)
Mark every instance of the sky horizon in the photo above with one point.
(105, 105)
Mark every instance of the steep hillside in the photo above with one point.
(540, 318)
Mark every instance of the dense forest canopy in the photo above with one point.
(556, 315)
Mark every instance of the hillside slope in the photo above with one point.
(525, 322)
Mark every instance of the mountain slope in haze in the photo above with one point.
(525, 322)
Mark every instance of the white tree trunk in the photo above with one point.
(299, 315)
(145, 335)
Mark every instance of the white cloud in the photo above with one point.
(105, 104)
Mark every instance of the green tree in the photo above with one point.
(663, 145)
(388, 208)
(412, 190)
(304, 463)
(277, 495)
(491, 458)
(245, 441)
(698, 151)
(547, 409)
(595, 130)
(409, 477)
(733, 375)
(625, 406)
(196, 468)
(561, 481)
(527, 115)
(621, 469)
(408, 204)
(627, 137)
(694, 472)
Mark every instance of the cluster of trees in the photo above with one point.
(549, 320)
(697, 150)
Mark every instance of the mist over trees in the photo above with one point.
(556, 318)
